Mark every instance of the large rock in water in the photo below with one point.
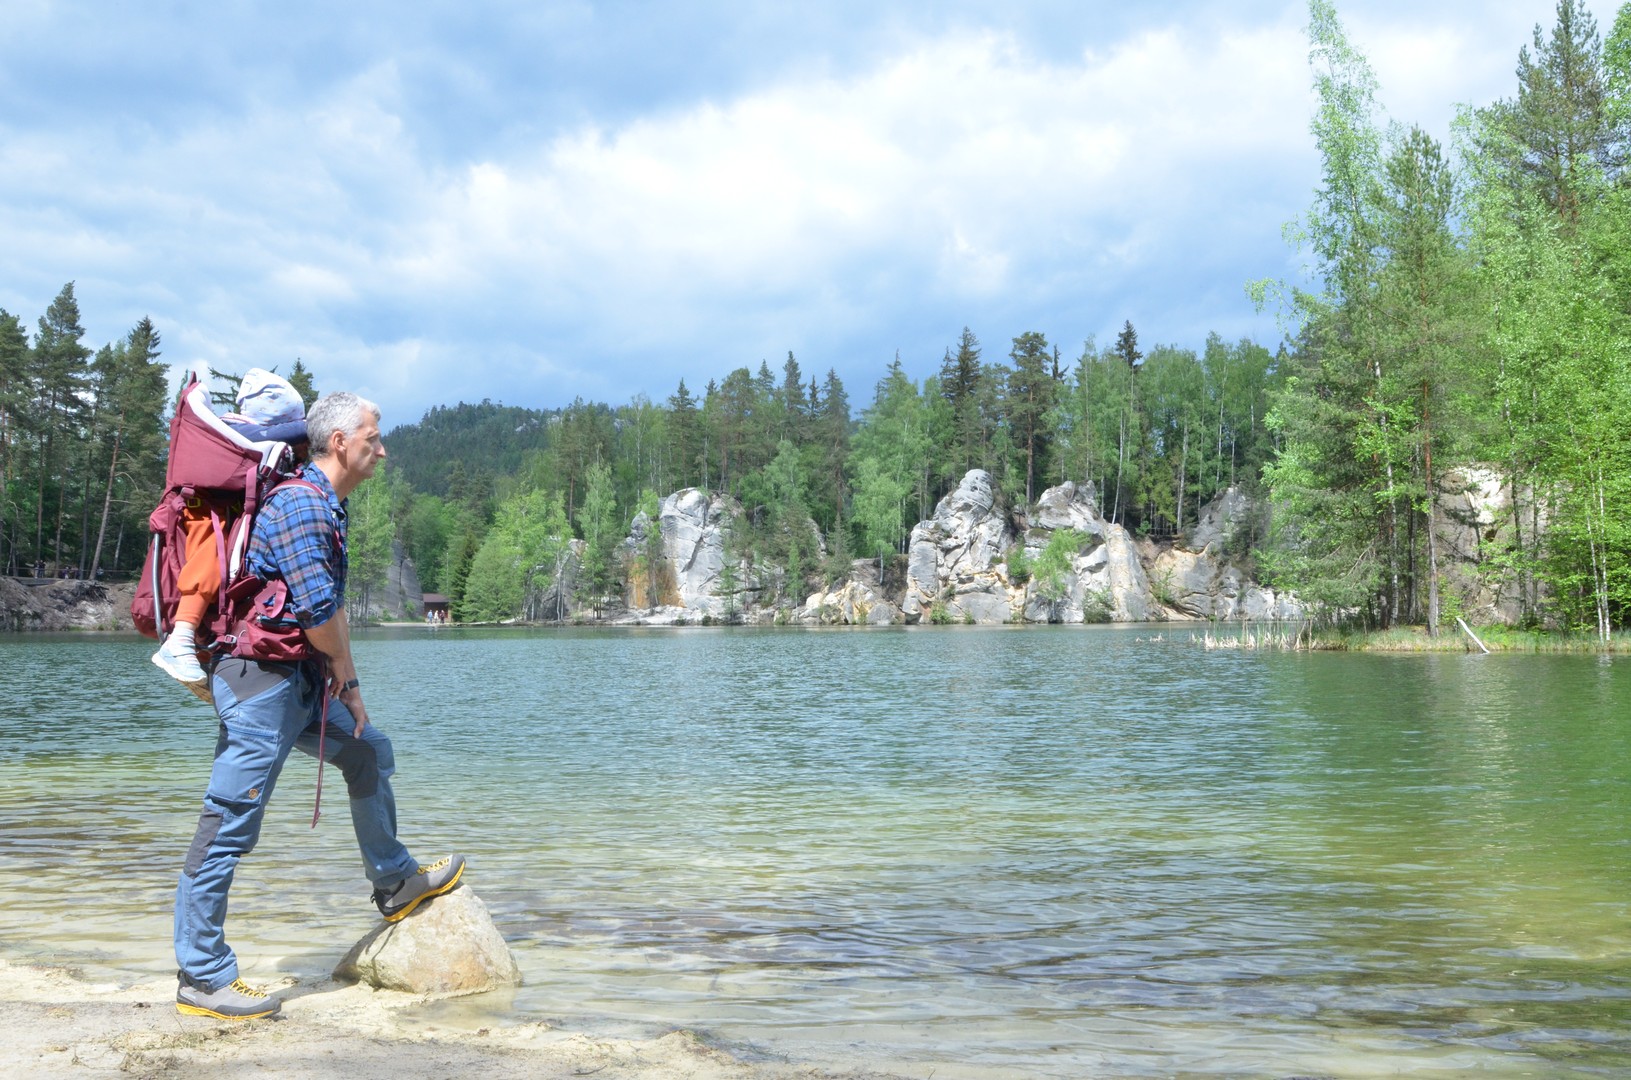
(694, 528)
(955, 555)
(1106, 579)
(858, 601)
(449, 945)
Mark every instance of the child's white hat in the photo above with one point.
(269, 399)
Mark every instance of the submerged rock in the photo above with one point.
(449, 945)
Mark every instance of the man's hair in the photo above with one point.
(339, 411)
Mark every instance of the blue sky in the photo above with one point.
(535, 201)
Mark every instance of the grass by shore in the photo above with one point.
(1450, 639)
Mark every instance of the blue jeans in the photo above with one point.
(255, 738)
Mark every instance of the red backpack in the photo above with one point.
(216, 469)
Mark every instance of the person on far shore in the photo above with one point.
(267, 709)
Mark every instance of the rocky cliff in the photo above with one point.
(64, 605)
(960, 566)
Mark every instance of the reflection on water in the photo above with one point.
(969, 851)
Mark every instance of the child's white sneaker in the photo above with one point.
(179, 661)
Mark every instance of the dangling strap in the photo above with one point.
(322, 727)
(158, 597)
(220, 557)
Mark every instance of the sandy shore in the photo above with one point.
(59, 1022)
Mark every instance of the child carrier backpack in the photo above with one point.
(218, 471)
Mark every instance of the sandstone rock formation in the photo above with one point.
(449, 945)
(1473, 524)
(956, 567)
(694, 528)
(1195, 580)
(1106, 580)
(855, 602)
(954, 557)
(64, 605)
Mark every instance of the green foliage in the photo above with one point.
(1097, 606)
(498, 436)
(301, 379)
(1019, 565)
(494, 590)
(889, 466)
(598, 523)
(650, 566)
(1031, 391)
(428, 530)
(1053, 567)
(369, 533)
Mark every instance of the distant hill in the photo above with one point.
(487, 438)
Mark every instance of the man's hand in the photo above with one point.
(333, 640)
(346, 691)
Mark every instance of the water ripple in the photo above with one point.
(972, 851)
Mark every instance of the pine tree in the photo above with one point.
(1030, 394)
(130, 389)
(300, 378)
(795, 405)
(15, 432)
(960, 384)
(1559, 131)
(683, 443)
(60, 380)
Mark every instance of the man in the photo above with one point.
(267, 709)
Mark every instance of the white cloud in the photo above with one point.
(971, 177)
(959, 163)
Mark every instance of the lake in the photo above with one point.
(969, 852)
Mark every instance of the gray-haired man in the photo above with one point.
(267, 709)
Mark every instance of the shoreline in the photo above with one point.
(1409, 639)
(59, 1023)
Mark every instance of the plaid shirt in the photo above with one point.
(299, 536)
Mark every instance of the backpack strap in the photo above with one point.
(322, 664)
(220, 556)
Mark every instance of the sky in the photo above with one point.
(536, 201)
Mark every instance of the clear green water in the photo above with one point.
(971, 852)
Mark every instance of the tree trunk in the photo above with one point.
(39, 502)
(1121, 459)
(1432, 503)
(1183, 479)
(107, 500)
(1599, 557)
(1390, 612)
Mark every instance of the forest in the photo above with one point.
(1469, 305)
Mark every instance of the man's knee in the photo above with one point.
(359, 763)
(224, 828)
(209, 827)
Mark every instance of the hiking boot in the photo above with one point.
(235, 1002)
(180, 663)
(428, 881)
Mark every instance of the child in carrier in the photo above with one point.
(268, 409)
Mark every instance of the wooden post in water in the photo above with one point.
(1472, 635)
